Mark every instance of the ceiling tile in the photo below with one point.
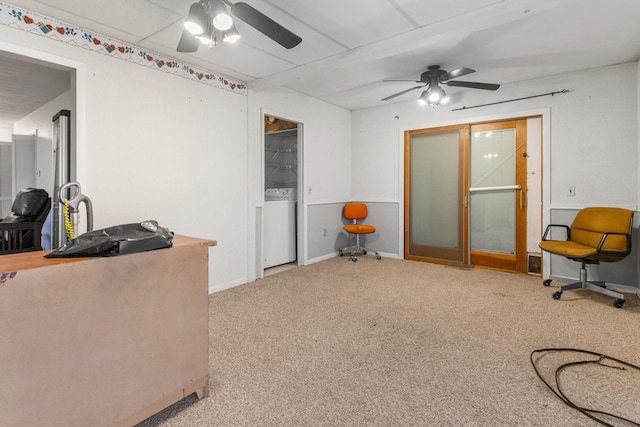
(429, 12)
(350, 47)
(351, 23)
(140, 18)
(259, 55)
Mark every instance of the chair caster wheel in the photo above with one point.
(340, 252)
(547, 282)
(557, 295)
(618, 303)
(354, 259)
(378, 257)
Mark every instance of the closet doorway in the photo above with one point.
(282, 214)
(465, 195)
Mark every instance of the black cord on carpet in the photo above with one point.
(561, 395)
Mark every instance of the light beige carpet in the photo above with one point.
(404, 343)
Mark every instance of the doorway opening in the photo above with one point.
(38, 90)
(282, 241)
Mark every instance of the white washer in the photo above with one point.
(279, 245)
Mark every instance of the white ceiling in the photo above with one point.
(350, 46)
(26, 85)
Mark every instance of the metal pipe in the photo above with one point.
(512, 100)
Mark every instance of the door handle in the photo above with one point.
(496, 188)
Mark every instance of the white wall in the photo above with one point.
(588, 135)
(154, 146)
(591, 129)
(5, 134)
(169, 149)
(40, 120)
(327, 137)
(326, 158)
(6, 197)
(534, 184)
(151, 145)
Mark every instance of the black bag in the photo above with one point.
(116, 240)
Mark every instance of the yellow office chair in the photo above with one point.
(596, 235)
(355, 212)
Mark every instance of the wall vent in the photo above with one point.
(534, 264)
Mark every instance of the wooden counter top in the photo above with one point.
(29, 260)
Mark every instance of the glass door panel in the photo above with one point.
(492, 188)
(434, 190)
(497, 185)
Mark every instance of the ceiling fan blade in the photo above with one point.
(474, 85)
(265, 25)
(454, 74)
(412, 81)
(188, 43)
(401, 93)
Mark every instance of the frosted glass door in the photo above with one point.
(492, 189)
(434, 189)
(497, 195)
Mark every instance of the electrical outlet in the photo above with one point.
(572, 191)
(324, 232)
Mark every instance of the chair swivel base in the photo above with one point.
(593, 285)
(357, 250)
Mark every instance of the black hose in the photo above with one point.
(561, 395)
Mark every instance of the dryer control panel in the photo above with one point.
(279, 194)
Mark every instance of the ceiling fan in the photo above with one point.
(433, 77)
(209, 18)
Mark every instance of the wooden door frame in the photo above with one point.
(517, 262)
(463, 176)
(521, 244)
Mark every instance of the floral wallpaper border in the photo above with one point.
(33, 23)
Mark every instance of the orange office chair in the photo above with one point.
(595, 235)
(355, 212)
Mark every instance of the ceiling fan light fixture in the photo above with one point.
(204, 38)
(221, 15)
(436, 94)
(231, 35)
(196, 21)
(433, 96)
(231, 38)
(221, 18)
(207, 36)
(432, 78)
(424, 98)
(222, 21)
